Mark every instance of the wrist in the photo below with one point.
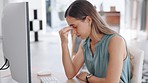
(87, 77)
(64, 44)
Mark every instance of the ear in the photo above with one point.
(88, 19)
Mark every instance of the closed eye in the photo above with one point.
(74, 27)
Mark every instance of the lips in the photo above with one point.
(78, 35)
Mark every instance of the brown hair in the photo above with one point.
(79, 9)
(132, 64)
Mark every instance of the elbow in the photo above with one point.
(70, 76)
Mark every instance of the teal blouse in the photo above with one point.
(97, 65)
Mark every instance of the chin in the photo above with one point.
(80, 37)
(83, 37)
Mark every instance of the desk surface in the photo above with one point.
(35, 79)
(61, 78)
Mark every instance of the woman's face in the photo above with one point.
(81, 28)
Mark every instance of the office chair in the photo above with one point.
(138, 64)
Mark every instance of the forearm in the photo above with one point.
(67, 62)
(95, 79)
(73, 44)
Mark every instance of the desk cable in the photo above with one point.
(6, 64)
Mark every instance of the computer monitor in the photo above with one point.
(15, 42)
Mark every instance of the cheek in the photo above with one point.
(85, 31)
(87, 28)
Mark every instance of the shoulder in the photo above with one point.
(116, 42)
(117, 39)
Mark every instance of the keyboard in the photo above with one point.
(48, 79)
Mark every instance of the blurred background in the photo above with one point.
(127, 17)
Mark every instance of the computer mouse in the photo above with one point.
(44, 73)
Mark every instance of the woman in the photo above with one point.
(103, 51)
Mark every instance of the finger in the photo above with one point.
(64, 30)
(67, 29)
(73, 31)
(66, 33)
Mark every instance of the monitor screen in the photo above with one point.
(15, 42)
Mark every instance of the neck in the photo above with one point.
(94, 40)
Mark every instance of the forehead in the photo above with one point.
(71, 20)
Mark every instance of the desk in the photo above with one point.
(60, 76)
(35, 79)
(113, 19)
